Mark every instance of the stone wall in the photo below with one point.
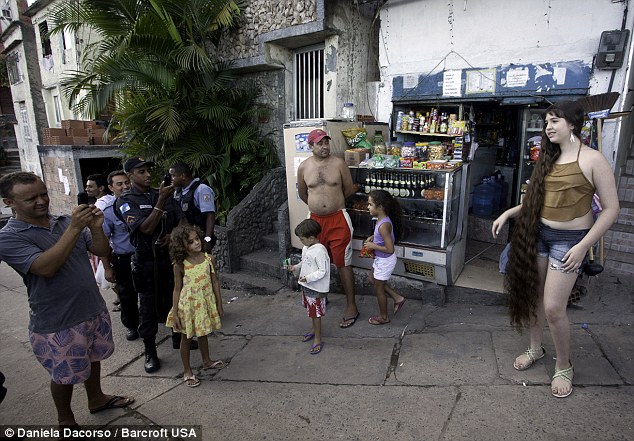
(253, 218)
(260, 17)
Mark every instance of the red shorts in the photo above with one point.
(315, 306)
(336, 236)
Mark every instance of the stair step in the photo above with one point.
(626, 204)
(271, 241)
(619, 262)
(620, 256)
(622, 228)
(263, 261)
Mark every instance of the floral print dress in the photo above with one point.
(197, 309)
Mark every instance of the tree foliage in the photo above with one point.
(171, 100)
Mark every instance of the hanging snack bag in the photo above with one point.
(354, 135)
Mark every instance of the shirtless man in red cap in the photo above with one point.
(324, 183)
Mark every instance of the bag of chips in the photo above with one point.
(366, 252)
(354, 135)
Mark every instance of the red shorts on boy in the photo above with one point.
(315, 306)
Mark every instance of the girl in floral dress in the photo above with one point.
(197, 302)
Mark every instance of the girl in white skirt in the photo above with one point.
(387, 210)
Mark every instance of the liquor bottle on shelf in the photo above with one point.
(379, 181)
(367, 183)
(443, 123)
(390, 183)
(410, 189)
(373, 181)
(403, 187)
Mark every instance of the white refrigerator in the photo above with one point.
(296, 149)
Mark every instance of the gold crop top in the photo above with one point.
(567, 192)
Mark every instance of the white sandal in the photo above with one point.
(532, 357)
(567, 374)
(187, 378)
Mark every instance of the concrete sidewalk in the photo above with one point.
(433, 373)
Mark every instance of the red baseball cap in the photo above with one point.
(316, 136)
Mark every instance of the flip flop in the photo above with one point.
(347, 322)
(316, 349)
(398, 306)
(308, 337)
(217, 364)
(196, 381)
(115, 402)
(378, 320)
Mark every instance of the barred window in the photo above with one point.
(309, 83)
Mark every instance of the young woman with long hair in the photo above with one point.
(552, 234)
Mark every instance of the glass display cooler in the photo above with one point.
(531, 136)
(434, 219)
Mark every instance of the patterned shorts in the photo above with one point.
(67, 354)
(315, 306)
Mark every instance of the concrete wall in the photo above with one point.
(62, 172)
(418, 37)
(62, 61)
(20, 39)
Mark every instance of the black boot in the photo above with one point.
(152, 363)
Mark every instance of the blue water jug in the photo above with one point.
(497, 193)
(483, 199)
(505, 192)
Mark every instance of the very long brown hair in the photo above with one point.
(521, 281)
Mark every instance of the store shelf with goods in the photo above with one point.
(440, 120)
(429, 200)
(432, 135)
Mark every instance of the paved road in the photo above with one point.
(433, 373)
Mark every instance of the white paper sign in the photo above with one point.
(66, 185)
(560, 75)
(451, 82)
(480, 81)
(298, 160)
(410, 81)
(517, 77)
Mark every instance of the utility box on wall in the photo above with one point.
(612, 48)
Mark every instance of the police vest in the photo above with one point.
(191, 212)
(143, 203)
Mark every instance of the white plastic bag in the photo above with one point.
(100, 277)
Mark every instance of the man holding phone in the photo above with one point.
(150, 215)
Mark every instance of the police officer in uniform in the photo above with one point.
(150, 215)
(118, 266)
(196, 200)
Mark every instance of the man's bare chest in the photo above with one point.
(322, 176)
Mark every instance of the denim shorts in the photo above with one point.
(554, 244)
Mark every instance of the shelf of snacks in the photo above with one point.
(440, 135)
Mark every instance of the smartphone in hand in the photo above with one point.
(167, 180)
(82, 198)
